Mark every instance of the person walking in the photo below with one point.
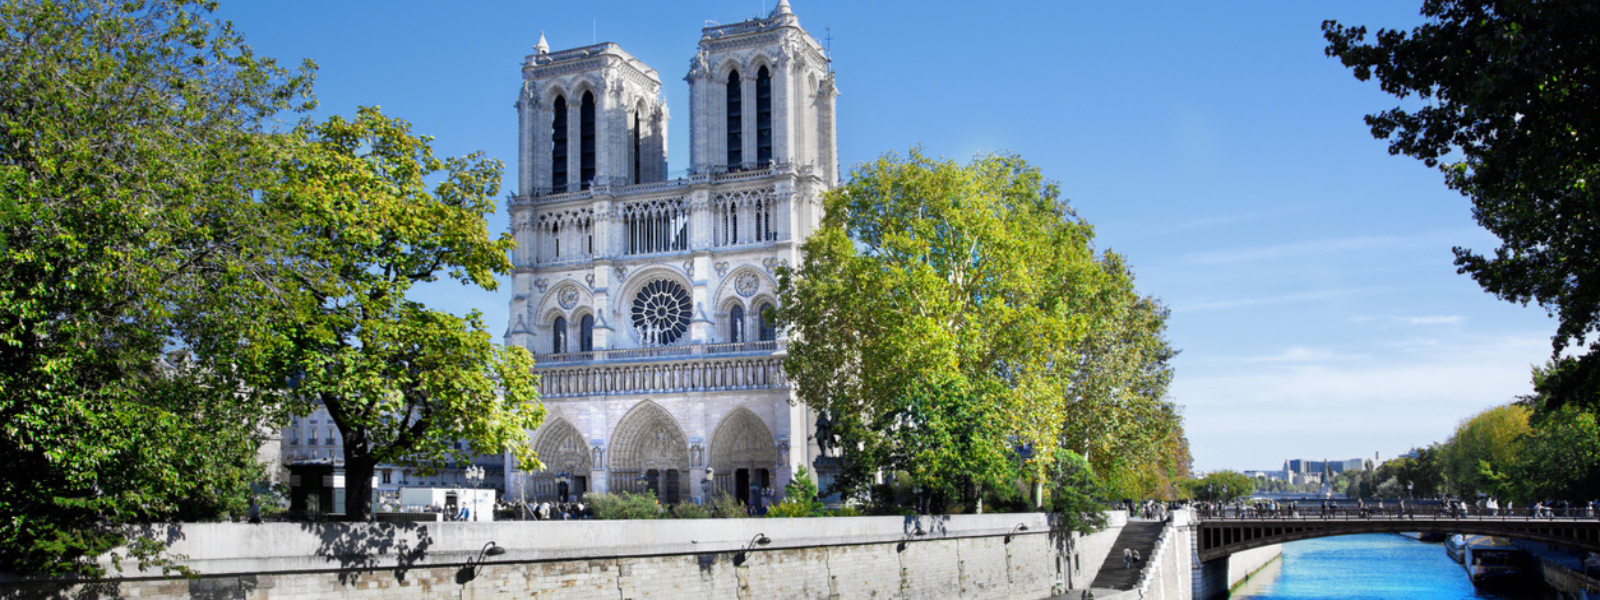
(1127, 558)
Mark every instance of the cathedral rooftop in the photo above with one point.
(544, 58)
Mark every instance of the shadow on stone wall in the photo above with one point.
(355, 547)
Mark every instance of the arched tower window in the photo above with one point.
(763, 116)
(558, 150)
(586, 334)
(764, 316)
(558, 336)
(736, 324)
(735, 122)
(586, 141)
(638, 134)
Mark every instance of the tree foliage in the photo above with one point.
(402, 382)
(1483, 448)
(1509, 115)
(1077, 496)
(1560, 459)
(1421, 476)
(946, 316)
(1220, 486)
(130, 276)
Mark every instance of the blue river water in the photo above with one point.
(1375, 566)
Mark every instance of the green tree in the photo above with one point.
(1418, 477)
(1560, 459)
(1120, 416)
(940, 317)
(402, 382)
(799, 498)
(1507, 114)
(131, 284)
(1482, 449)
(1077, 496)
(1220, 486)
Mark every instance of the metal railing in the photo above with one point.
(1426, 509)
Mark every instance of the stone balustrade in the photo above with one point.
(711, 374)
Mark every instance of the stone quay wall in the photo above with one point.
(958, 556)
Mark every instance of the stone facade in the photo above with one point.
(645, 300)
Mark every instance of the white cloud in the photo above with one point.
(1318, 248)
(1263, 301)
(1435, 320)
(1305, 402)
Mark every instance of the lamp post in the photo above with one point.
(709, 483)
(761, 539)
(470, 571)
(1409, 484)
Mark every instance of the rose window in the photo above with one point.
(661, 312)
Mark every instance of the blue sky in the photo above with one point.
(1309, 272)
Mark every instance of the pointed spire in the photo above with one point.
(542, 47)
(781, 9)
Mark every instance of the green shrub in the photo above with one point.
(847, 511)
(799, 498)
(623, 505)
(690, 510)
(725, 506)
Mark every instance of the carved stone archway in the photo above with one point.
(649, 453)
(562, 449)
(743, 453)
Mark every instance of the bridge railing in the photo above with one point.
(1391, 511)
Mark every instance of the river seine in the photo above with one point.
(1384, 566)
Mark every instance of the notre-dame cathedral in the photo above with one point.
(646, 300)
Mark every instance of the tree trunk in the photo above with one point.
(358, 469)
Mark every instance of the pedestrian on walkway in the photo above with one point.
(1127, 558)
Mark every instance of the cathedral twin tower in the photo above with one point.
(646, 300)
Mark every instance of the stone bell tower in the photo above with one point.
(762, 94)
(589, 116)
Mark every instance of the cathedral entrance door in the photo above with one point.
(741, 485)
(652, 482)
(671, 495)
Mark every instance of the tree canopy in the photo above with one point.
(1508, 112)
(131, 138)
(402, 382)
(1476, 459)
(178, 275)
(946, 317)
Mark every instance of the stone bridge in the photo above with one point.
(1218, 537)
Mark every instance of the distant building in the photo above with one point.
(1270, 475)
(1301, 471)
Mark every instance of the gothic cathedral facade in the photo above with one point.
(645, 300)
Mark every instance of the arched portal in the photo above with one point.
(649, 453)
(562, 449)
(743, 454)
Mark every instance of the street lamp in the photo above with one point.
(709, 482)
(474, 475)
(470, 571)
(1015, 530)
(1408, 489)
(761, 539)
